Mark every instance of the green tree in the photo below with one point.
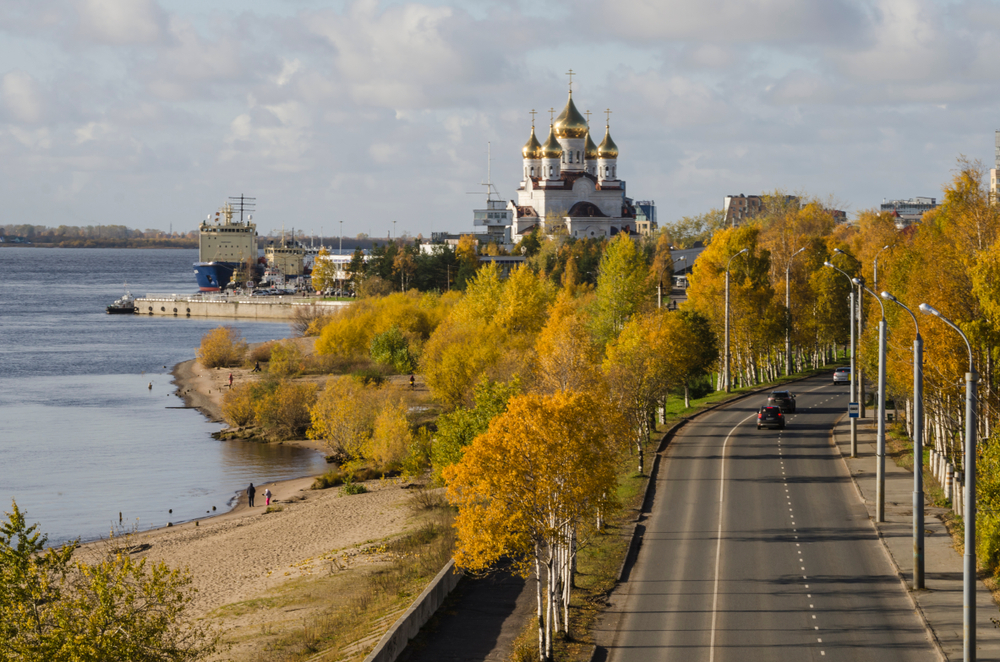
(622, 287)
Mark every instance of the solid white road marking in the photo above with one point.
(718, 544)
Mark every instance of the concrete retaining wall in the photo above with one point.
(392, 644)
(271, 308)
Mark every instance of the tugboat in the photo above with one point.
(123, 306)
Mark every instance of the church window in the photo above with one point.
(578, 157)
(532, 171)
(551, 171)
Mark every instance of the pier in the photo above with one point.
(233, 306)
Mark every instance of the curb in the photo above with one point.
(885, 548)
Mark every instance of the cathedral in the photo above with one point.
(570, 185)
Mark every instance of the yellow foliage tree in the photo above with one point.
(286, 360)
(324, 272)
(221, 348)
(344, 415)
(391, 437)
(567, 357)
(543, 470)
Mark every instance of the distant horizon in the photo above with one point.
(381, 114)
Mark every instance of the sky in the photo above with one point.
(375, 116)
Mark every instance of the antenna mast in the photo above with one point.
(243, 203)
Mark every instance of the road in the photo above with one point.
(758, 547)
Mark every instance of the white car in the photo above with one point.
(842, 375)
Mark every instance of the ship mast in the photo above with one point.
(243, 203)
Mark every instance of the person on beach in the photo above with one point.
(250, 492)
(256, 367)
(267, 496)
(412, 380)
(230, 380)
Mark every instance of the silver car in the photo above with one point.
(842, 375)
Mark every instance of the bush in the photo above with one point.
(329, 479)
(309, 320)
(223, 347)
(286, 360)
(279, 409)
(391, 438)
(260, 353)
(353, 488)
(369, 376)
(391, 348)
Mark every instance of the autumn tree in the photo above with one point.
(542, 470)
(567, 357)
(222, 347)
(638, 374)
(324, 272)
(57, 609)
(344, 416)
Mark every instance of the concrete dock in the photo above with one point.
(239, 307)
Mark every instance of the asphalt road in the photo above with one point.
(758, 547)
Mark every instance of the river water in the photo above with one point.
(82, 436)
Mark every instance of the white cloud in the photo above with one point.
(22, 97)
(120, 22)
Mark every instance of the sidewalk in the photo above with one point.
(940, 603)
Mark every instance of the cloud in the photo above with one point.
(120, 22)
(22, 98)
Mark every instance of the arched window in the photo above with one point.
(578, 157)
(551, 171)
(532, 171)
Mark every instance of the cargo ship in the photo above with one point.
(227, 245)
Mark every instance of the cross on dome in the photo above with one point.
(533, 113)
(570, 74)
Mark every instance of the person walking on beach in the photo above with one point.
(267, 496)
(256, 367)
(250, 492)
(230, 380)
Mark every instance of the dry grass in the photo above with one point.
(346, 604)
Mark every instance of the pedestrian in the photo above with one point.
(250, 492)
(267, 497)
(230, 380)
(412, 381)
(256, 367)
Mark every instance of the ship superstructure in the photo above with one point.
(226, 243)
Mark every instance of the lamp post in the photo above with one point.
(918, 448)
(875, 267)
(861, 323)
(788, 315)
(725, 368)
(880, 439)
(854, 352)
(969, 559)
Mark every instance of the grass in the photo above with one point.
(347, 608)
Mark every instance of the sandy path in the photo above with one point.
(237, 556)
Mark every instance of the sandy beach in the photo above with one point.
(247, 552)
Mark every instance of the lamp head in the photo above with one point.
(929, 310)
(837, 250)
(856, 281)
(743, 251)
(798, 251)
(827, 264)
(889, 297)
(885, 247)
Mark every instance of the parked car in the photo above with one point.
(842, 375)
(783, 400)
(770, 417)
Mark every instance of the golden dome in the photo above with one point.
(570, 123)
(590, 150)
(608, 148)
(551, 149)
(532, 149)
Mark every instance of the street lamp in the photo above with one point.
(861, 323)
(969, 560)
(875, 267)
(854, 352)
(918, 448)
(880, 439)
(788, 315)
(726, 366)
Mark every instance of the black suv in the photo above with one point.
(770, 417)
(782, 399)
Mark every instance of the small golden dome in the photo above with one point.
(532, 149)
(590, 150)
(570, 123)
(551, 149)
(608, 148)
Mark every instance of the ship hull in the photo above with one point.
(213, 276)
